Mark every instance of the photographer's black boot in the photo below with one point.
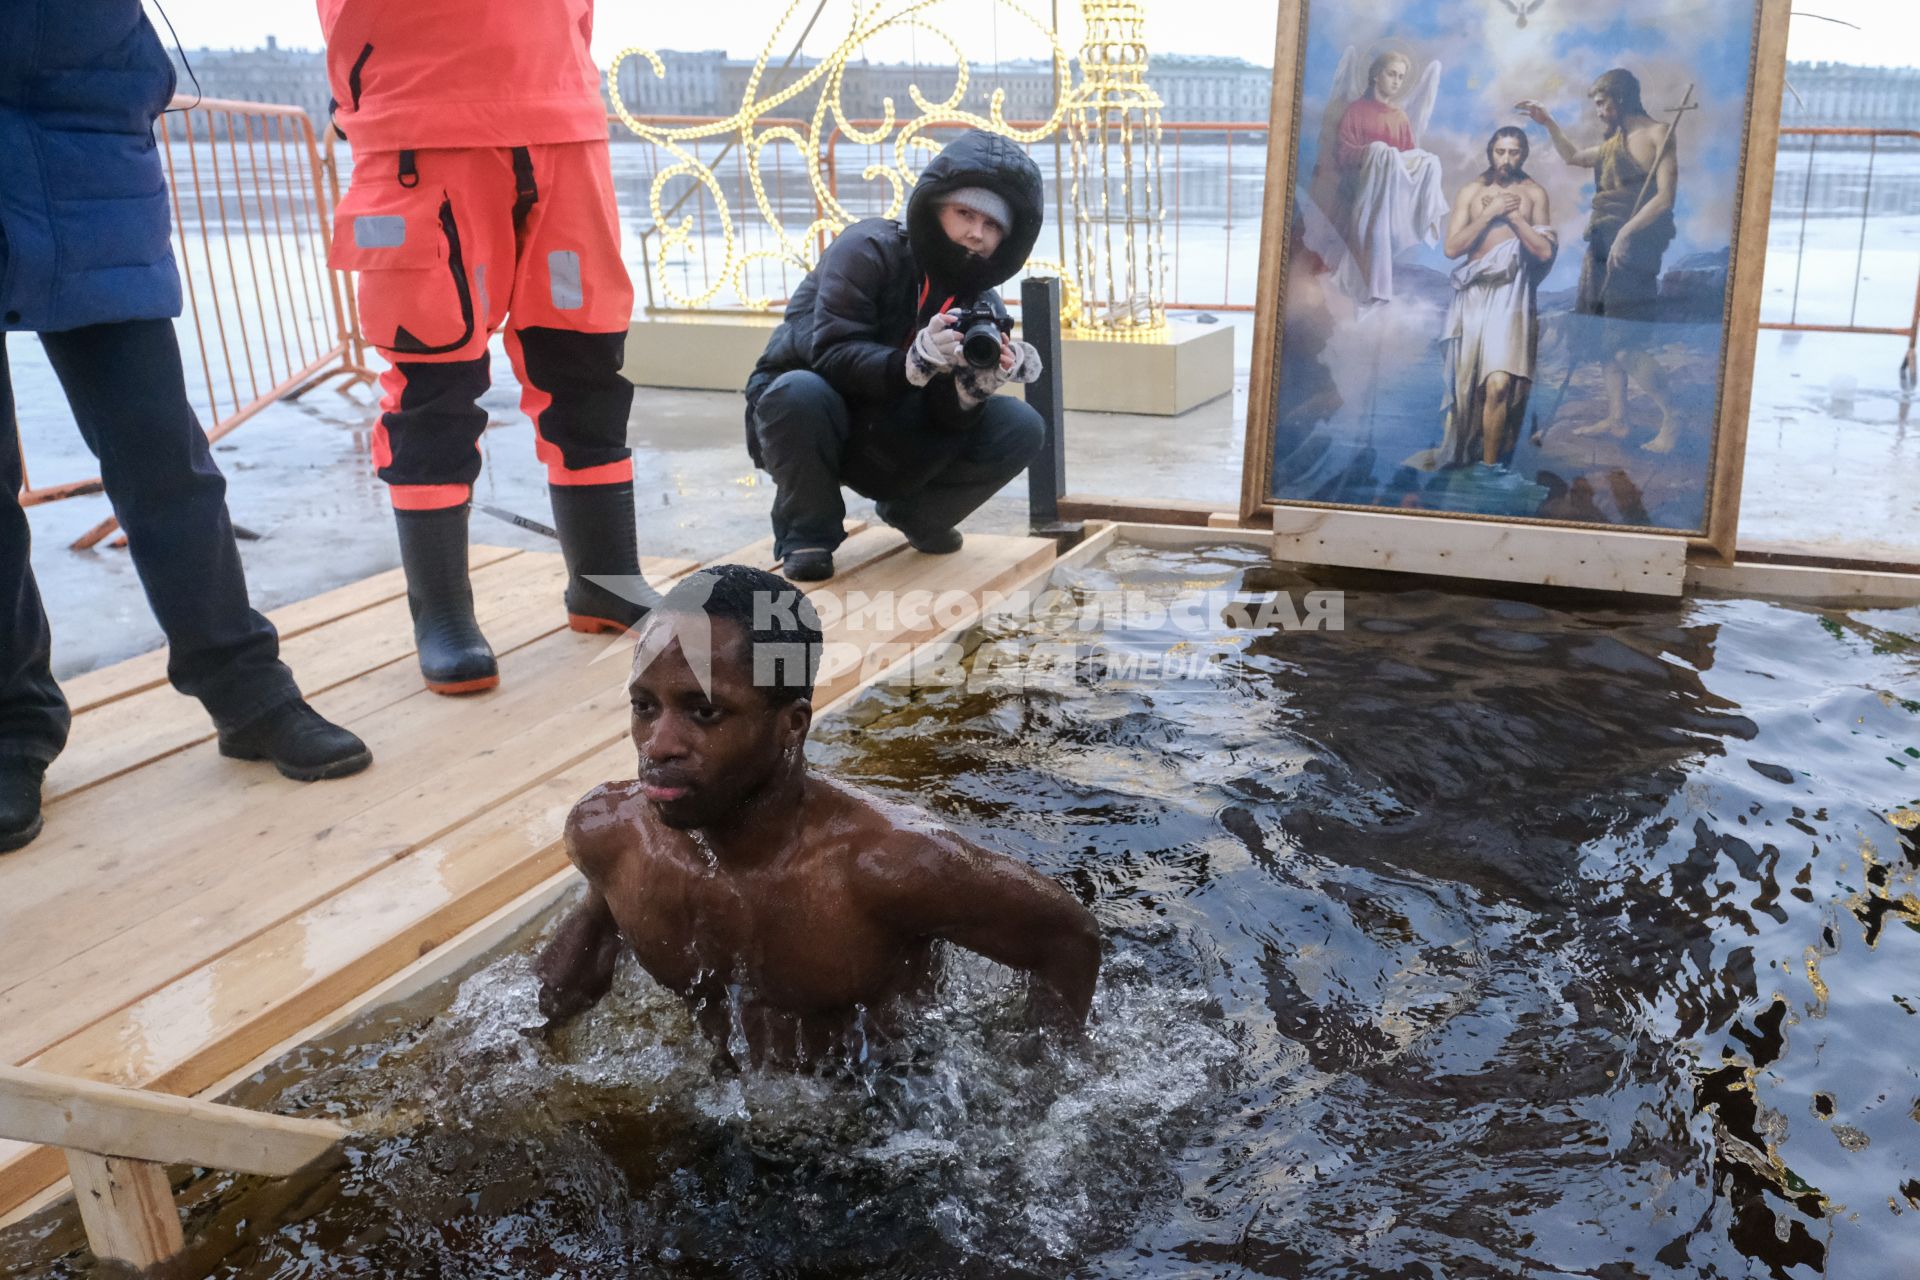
(454, 656)
(19, 801)
(597, 539)
(807, 564)
(939, 542)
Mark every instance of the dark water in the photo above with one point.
(1479, 938)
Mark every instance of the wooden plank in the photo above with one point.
(1277, 200)
(278, 980)
(127, 1208)
(1177, 536)
(149, 670)
(1746, 280)
(130, 731)
(1816, 556)
(109, 1120)
(1487, 550)
(1100, 506)
(985, 564)
(1806, 582)
(133, 730)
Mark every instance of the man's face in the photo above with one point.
(1506, 158)
(972, 231)
(1392, 77)
(1606, 108)
(703, 756)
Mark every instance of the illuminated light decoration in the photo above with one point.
(908, 140)
(1114, 114)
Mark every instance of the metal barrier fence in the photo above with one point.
(253, 201)
(1823, 202)
(1214, 174)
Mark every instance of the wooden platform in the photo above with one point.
(183, 913)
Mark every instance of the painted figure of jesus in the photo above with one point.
(1636, 171)
(1503, 229)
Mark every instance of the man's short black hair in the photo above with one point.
(783, 630)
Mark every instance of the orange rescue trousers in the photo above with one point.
(450, 245)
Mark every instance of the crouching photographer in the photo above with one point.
(882, 376)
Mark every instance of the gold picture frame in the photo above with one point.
(1287, 267)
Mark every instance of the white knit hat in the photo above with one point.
(986, 203)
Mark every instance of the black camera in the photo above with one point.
(981, 328)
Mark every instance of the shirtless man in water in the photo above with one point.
(785, 909)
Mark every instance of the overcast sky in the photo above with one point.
(1888, 34)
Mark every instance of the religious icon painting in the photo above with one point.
(1511, 259)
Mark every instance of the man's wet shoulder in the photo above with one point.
(604, 822)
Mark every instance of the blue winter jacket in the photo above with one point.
(83, 198)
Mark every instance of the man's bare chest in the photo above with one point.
(795, 940)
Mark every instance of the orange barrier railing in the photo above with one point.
(265, 318)
(1812, 212)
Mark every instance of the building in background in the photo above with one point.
(708, 83)
(1832, 94)
(290, 77)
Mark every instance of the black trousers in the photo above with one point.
(129, 396)
(923, 478)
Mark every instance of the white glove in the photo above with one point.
(934, 349)
(1026, 363)
(975, 385)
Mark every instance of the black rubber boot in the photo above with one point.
(454, 656)
(597, 539)
(19, 801)
(303, 744)
(940, 542)
(807, 564)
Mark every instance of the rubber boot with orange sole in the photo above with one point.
(454, 657)
(605, 592)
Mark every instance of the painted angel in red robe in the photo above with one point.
(1375, 193)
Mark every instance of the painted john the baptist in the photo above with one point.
(1505, 273)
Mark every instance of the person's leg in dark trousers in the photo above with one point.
(33, 714)
(803, 427)
(994, 448)
(128, 393)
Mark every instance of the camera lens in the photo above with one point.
(981, 345)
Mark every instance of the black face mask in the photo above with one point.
(953, 268)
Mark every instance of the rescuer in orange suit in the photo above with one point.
(482, 196)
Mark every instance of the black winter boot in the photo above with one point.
(939, 542)
(303, 744)
(19, 801)
(454, 656)
(807, 564)
(597, 539)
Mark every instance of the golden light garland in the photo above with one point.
(1114, 107)
(1113, 104)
